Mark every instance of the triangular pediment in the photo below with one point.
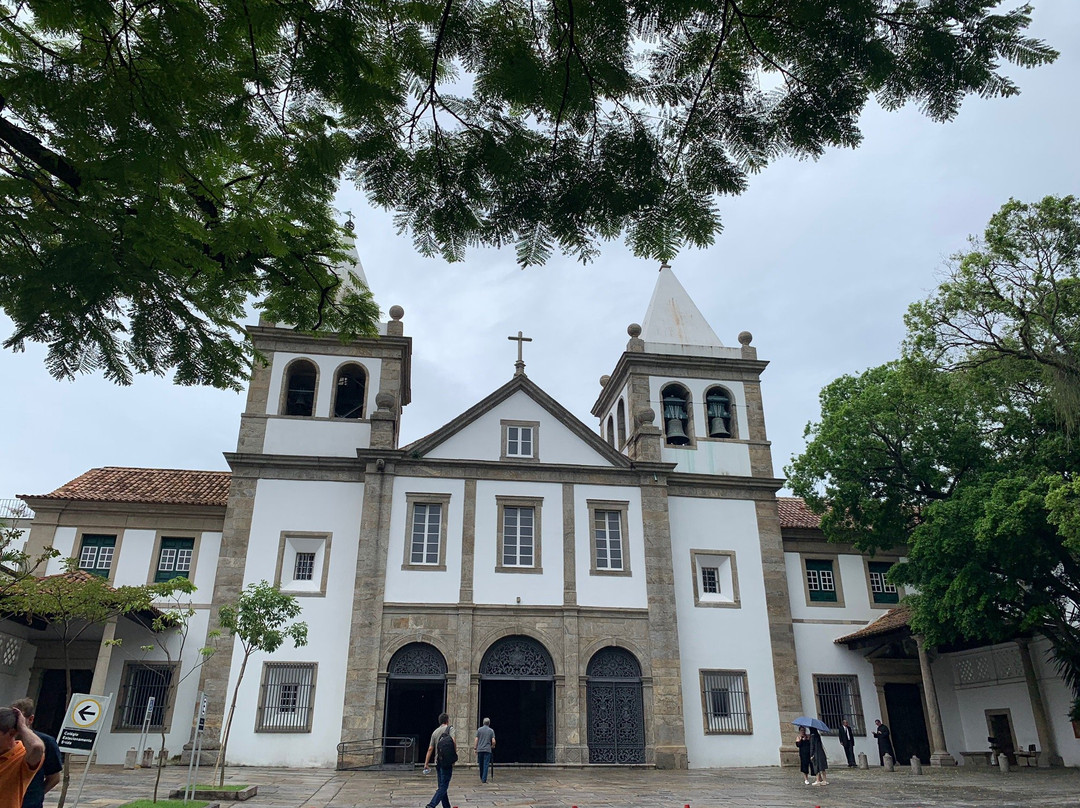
(477, 434)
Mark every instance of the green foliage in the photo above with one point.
(163, 163)
(260, 618)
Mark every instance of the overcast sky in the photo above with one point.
(818, 260)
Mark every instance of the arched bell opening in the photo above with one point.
(301, 378)
(676, 402)
(350, 388)
(719, 413)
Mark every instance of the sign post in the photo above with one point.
(196, 749)
(150, 702)
(81, 728)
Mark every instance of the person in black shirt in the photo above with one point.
(49, 774)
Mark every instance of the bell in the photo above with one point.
(675, 434)
(717, 428)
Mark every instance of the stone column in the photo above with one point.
(572, 749)
(1047, 744)
(104, 657)
(939, 755)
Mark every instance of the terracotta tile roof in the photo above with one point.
(165, 486)
(795, 514)
(892, 620)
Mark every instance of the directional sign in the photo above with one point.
(82, 723)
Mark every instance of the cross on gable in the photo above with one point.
(519, 365)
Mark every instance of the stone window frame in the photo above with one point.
(503, 428)
(870, 589)
(691, 430)
(623, 508)
(285, 585)
(854, 694)
(411, 501)
(703, 599)
(367, 388)
(283, 394)
(837, 580)
(166, 719)
(536, 503)
(76, 548)
(261, 726)
(732, 417)
(702, 673)
(155, 557)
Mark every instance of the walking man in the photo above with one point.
(485, 742)
(444, 750)
(884, 742)
(21, 753)
(847, 740)
(49, 774)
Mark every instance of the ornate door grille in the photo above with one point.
(616, 712)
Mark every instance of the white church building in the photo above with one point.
(627, 592)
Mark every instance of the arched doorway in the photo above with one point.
(616, 712)
(415, 695)
(517, 692)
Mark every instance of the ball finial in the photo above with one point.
(745, 337)
(604, 380)
(396, 312)
(645, 417)
(385, 401)
(634, 330)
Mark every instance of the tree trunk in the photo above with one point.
(228, 722)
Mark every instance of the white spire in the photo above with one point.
(672, 318)
(351, 271)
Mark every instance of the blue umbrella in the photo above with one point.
(805, 721)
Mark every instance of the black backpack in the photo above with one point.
(446, 749)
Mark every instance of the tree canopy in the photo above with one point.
(164, 163)
(963, 450)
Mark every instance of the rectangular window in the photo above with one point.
(96, 555)
(710, 583)
(518, 536)
(426, 533)
(820, 582)
(141, 682)
(174, 559)
(304, 569)
(838, 700)
(520, 440)
(725, 703)
(287, 697)
(880, 589)
(607, 533)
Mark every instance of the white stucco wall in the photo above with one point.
(707, 456)
(615, 591)
(428, 585)
(482, 439)
(311, 437)
(715, 638)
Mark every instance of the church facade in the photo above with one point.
(628, 593)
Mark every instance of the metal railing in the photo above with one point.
(14, 509)
(385, 752)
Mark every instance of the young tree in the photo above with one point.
(15, 564)
(162, 163)
(260, 620)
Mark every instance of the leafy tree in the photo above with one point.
(260, 620)
(15, 564)
(959, 449)
(162, 163)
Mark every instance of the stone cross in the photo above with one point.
(519, 365)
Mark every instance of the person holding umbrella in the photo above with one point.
(818, 760)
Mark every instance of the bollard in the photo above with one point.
(147, 758)
(1003, 763)
(129, 758)
(863, 762)
(916, 765)
(890, 764)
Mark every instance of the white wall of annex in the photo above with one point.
(1058, 699)
(310, 506)
(534, 589)
(707, 456)
(712, 638)
(309, 437)
(482, 439)
(64, 543)
(324, 390)
(615, 591)
(851, 576)
(426, 586)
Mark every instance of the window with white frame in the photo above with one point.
(838, 700)
(286, 697)
(174, 558)
(425, 531)
(608, 527)
(716, 582)
(881, 591)
(820, 580)
(519, 440)
(725, 702)
(518, 534)
(96, 553)
(303, 562)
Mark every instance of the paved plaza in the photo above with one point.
(615, 788)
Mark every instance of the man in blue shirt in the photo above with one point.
(48, 775)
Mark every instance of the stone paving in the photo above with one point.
(964, 787)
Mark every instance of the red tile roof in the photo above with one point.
(795, 514)
(892, 620)
(163, 486)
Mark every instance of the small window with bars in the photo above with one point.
(710, 580)
(820, 582)
(286, 697)
(426, 533)
(725, 703)
(141, 682)
(96, 554)
(607, 534)
(880, 589)
(304, 567)
(174, 559)
(838, 700)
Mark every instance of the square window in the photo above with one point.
(881, 591)
(716, 582)
(96, 554)
(425, 532)
(286, 697)
(838, 698)
(303, 563)
(518, 543)
(141, 682)
(725, 702)
(520, 439)
(820, 581)
(174, 558)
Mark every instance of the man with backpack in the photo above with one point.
(444, 750)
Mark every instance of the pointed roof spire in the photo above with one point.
(351, 270)
(672, 317)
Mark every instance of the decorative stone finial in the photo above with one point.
(604, 380)
(645, 417)
(664, 265)
(396, 312)
(634, 330)
(385, 401)
(350, 225)
(745, 337)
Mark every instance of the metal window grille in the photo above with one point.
(710, 580)
(287, 697)
(518, 536)
(838, 699)
(608, 526)
(427, 524)
(304, 568)
(140, 683)
(726, 702)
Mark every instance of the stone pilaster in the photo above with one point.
(104, 656)
(939, 755)
(384, 422)
(571, 748)
(1047, 743)
(460, 703)
(646, 442)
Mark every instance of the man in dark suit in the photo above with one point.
(884, 742)
(847, 740)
